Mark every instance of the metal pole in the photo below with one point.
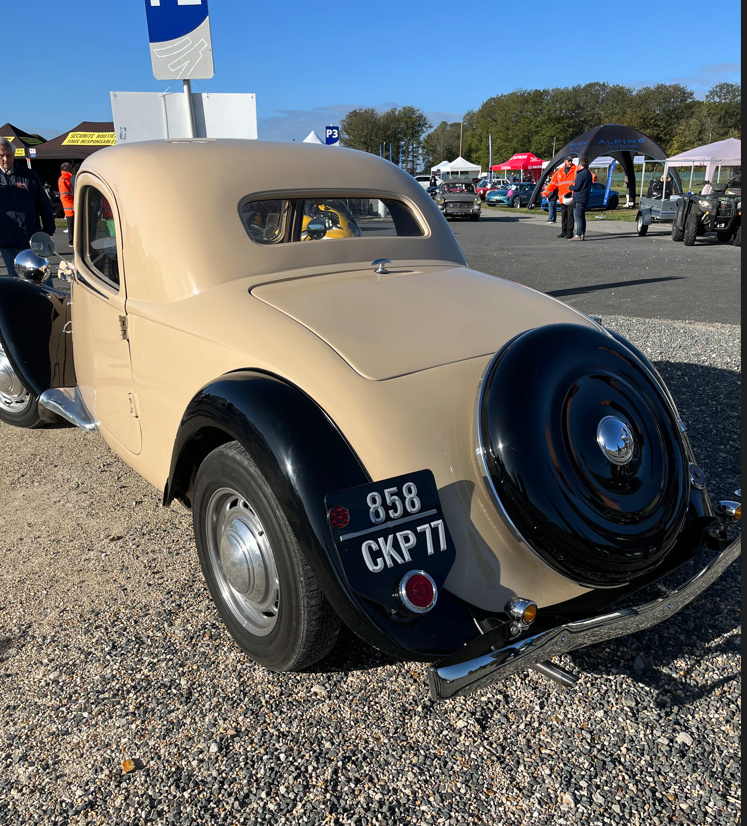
(190, 111)
(461, 130)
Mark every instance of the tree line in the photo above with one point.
(542, 121)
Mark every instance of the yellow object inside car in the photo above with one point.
(339, 222)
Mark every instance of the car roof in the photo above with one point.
(178, 204)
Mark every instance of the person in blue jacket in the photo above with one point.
(25, 207)
(581, 189)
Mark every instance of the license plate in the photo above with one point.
(393, 527)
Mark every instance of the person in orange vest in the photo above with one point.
(562, 181)
(65, 186)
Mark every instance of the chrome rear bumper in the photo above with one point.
(454, 678)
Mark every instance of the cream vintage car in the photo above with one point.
(287, 340)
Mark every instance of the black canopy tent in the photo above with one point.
(622, 143)
(21, 141)
(74, 146)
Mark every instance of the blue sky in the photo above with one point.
(309, 63)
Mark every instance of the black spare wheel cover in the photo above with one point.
(555, 403)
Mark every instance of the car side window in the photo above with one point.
(264, 221)
(100, 235)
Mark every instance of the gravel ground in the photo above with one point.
(111, 651)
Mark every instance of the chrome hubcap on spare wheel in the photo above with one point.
(615, 440)
(242, 561)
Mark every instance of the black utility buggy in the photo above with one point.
(719, 212)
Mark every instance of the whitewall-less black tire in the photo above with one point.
(258, 579)
(18, 405)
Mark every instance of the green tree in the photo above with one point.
(441, 144)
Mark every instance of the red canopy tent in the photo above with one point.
(521, 161)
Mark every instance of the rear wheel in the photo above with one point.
(258, 579)
(691, 229)
(613, 202)
(640, 226)
(18, 405)
(677, 233)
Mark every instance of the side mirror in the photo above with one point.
(31, 266)
(42, 244)
(316, 229)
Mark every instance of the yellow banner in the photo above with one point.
(89, 139)
(20, 153)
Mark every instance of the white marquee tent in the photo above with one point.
(713, 156)
(456, 169)
(312, 137)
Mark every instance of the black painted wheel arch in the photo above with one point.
(304, 455)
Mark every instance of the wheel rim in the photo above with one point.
(14, 397)
(242, 562)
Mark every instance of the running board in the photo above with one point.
(67, 403)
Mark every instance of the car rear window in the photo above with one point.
(327, 217)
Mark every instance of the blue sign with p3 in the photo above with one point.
(332, 135)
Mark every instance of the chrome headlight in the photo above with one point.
(439, 199)
(703, 203)
(30, 266)
(478, 201)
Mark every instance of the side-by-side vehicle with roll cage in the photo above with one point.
(464, 471)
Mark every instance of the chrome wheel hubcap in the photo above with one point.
(242, 562)
(13, 395)
(615, 440)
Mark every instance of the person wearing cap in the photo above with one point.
(561, 182)
(24, 206)
(581, 189)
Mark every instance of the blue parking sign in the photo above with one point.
(332, 135)
(179, 36)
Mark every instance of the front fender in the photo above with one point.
(304, 456)
(32, 321)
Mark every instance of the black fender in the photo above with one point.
(32, 321)
(304, 456)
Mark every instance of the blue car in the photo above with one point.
(515, 195)
(596, 198)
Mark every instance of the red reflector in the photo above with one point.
(418, 591)
(338, 517)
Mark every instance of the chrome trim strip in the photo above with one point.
(68, 403)
(387, 525)
(463, 678)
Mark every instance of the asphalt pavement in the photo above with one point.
(614, 271)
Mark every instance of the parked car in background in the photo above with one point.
(457, 199)
(423, 180)
(596, 198)
(464, 471)
(515, 195)
(483, 188)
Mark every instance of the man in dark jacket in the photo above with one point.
(24, 206)
(581, 189)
